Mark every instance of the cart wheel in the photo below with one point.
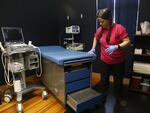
(44, 95)
(19, 108)
(7, 98)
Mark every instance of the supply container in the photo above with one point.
(135, 82)
(145, 87)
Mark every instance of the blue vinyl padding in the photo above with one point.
(63, 56)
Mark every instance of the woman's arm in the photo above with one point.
(94, 43)
(125, 43)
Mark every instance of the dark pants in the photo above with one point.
(117, 70)
(113, 92)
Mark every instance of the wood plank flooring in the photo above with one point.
(33, 102)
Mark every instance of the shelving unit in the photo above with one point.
(140, 79)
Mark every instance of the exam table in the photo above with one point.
(67, 74)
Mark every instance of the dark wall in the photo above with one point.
(82, 13)
(36, 17)
(44, 21)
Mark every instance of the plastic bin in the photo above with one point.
(145, 87)
(135, 82)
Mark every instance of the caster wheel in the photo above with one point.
(44, 95)
(7, 98)
(19, 108)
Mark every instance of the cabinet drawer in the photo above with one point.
(77, 74)
(83, 99)
(77, 85)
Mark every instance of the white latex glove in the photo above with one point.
(111, 49)
(92, 51)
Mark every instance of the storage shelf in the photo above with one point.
(139, 90)
(138, 74)
(142, 55)
(141, 36)
(142, 42)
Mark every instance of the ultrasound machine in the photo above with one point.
(17, 57)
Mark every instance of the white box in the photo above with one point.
(138, 51)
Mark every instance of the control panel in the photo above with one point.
(74, 29)
(18, 48)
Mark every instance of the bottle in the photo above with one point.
(17, 84)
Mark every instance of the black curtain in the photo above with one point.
(126, 14)
(106, 3)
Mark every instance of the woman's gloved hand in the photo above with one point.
(111, 49)
(92, 51)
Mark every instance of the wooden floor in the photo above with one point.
(33, 102)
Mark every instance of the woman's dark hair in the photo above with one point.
(104, 14)
(108, 35)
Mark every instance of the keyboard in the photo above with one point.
(18, 48)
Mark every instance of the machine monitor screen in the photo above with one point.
(12, 35)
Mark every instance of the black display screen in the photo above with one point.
(12, 35)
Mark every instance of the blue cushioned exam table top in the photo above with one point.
(63, 56)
